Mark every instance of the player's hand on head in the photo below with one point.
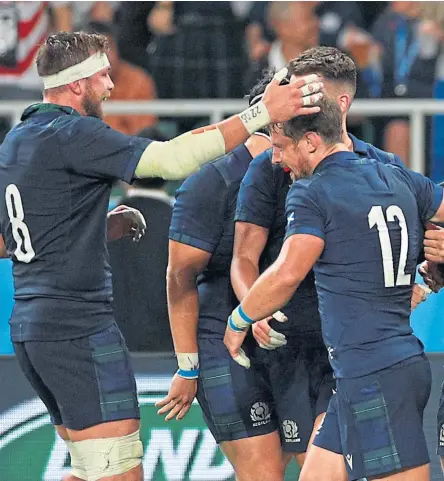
(434, 243)
(126, 221)
(266, 337)
(179, 398)
(420, 292)
(284, 102)
(431, 275)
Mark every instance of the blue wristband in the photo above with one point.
(233, 326)
(244, 316)
(193, 374)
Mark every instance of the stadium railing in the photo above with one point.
(216, 110)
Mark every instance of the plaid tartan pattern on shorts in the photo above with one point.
(375, 434)
(115, 378)
(221, 401)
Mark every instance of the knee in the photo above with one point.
(260, 469)
(313, 475)
(106, 457)
(71, 477)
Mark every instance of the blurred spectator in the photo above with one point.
(432, 17)
(139, 269)
(258, 32)
(23, 27)
(133, 32)
(408, 64)
(130, 83)
(290, 41)
(334, 18)
(74, 16)
(197, 51)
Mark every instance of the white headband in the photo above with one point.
(84, 69)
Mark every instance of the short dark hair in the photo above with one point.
(330, 62)
(258, 89)
(327, 123)
(63, 50)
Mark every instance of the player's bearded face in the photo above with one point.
(92, 102)
(298, 161)
(98, 88)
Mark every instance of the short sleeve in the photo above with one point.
(304, 215)
(256, 202)
(94, 149)
(198, 213)
(429, 195)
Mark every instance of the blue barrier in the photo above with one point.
(6, 303)
(427, 320)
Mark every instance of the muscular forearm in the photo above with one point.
(182, 156)
(183, 308)
(244, 274)
(270, 292)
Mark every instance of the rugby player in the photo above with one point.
(56, 171)
(299, 374)
(358, 223)
(200, 297)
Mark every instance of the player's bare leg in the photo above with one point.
(63, 433)
(300, 457)
(113, 429)
(256, 459)
(323, 465)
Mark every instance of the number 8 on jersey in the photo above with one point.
(24, 251)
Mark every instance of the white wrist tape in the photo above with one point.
(188, 363)
(180, 157)
(255, 117)
(426, 289)
(239, 321)
(84, 69)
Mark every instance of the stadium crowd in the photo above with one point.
(218, 50)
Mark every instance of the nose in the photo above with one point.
(276, 157)
(110, 85)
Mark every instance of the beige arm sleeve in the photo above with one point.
(182, 156)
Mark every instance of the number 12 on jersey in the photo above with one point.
(24, 251)
(376, 218)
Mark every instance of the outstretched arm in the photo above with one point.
(183, 155)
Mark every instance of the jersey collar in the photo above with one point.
(359, 146)
(338, 157)
(41, 108)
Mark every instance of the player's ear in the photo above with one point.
(312, 141)
(75, 87)
(344, 101)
